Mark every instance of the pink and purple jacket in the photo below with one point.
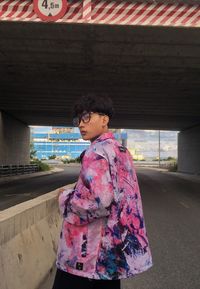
(103, 232)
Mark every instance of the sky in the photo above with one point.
(144, 141)
(147, 142)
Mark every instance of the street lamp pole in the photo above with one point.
(159, 148)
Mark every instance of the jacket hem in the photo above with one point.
(96, 276)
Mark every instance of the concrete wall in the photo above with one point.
(29, 234)
(14, 141)
(189, 150)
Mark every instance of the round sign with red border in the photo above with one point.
(50, 10)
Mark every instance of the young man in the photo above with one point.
(103, 237)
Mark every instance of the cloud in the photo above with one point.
(146, 142)
(40, 129)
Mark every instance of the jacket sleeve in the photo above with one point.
(93, 195)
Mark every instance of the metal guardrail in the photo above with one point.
(163, 164)
(12, 170)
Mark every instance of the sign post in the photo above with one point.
(50, 10)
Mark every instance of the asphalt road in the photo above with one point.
(172, 215)
(171, 206)
(17, 191)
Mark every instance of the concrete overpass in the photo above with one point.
(145, 55)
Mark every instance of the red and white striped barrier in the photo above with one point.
(119, 12)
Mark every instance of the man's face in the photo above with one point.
(92, 125)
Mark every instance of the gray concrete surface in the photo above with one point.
(189, 150)
(152, 73)
(171, 204)
(14, 140)
(28, 236)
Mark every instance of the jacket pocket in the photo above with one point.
(74, 243)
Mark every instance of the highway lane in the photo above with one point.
(17, 191)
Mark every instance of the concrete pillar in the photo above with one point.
(189, 150)
(14, 141)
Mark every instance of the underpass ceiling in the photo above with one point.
(151, 73)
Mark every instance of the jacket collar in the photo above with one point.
(103, 136)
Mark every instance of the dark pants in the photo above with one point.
(64, 280)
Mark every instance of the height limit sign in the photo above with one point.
(50, 10)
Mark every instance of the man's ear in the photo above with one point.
(105, 120)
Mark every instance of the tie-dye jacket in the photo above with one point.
(103, 232)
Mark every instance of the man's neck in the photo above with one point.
(106, 130)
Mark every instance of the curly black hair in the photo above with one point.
(91, 102)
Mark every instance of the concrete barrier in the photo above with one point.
(29, 234)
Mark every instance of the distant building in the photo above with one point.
(62, 129)
(64, 143)
(136, 155)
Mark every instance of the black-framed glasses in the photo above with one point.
(85, 117)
